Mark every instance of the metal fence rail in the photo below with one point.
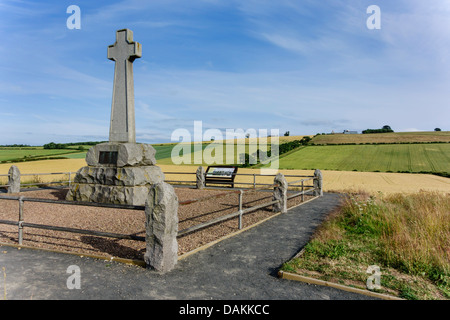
(241, 211)
(69, 182)
(254, 175)
(239, 214)
(303, 186)
(186, 202)
(21, 223)
(193, 182)
(305, 189)
(4, 185)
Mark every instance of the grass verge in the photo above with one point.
(406, 236)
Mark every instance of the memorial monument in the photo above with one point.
(119, 171)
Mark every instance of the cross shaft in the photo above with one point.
(124, 51)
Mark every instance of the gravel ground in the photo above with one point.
(126, 221)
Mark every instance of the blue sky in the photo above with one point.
(302, 66)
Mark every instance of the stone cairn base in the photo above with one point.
(120, 173)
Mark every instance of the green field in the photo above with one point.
(13, 154)
(391, 137)
(433, 157)
(21, 154)
(163, 153)
(78, 155)
(411, 152)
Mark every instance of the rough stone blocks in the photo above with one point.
(125, 178)
(13, 180)
(318, 183)
(280, 193)
(161, 225)
(200, 177)
(128, 154)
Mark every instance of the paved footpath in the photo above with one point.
(242, 267)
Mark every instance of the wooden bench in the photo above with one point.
(220, 175)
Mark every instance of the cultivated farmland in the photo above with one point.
(16, 154)
(433, 157)
(345, 167)
(211, 153)
(391, 137)
(336, 181)
(27, 153)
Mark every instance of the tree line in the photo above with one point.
(382, 130)
(53, 145)
(247, 160)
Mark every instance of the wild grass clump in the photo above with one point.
(408, 236)
(416, 239)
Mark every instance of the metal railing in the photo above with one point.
(242, 211)
(4, 185)
(238, 213)
(68, 182)
(254, 184)
(304, 189)
(21, 223)
(302, 186)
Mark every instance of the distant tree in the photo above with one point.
(53, 145)
(247, 160)
(437, 129)
(382, 130)
(305, 140)
(286, 134)
(15, 145)
(50, 145)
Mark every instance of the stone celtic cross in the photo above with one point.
(123, 52)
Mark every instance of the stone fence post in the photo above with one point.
(200, 177)
(318, 190)
(280, 193)
(13, 180)
(161, 225)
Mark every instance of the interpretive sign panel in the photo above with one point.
(220, 175)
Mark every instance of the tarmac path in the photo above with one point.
(243, 267)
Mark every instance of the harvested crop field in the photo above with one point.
(125, 221)
(334, 181)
